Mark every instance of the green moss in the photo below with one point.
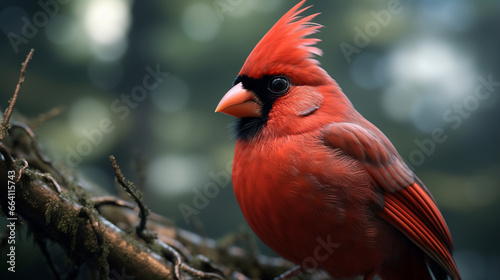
(99, 247)
(51, 208)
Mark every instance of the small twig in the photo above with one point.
(45, 117)
(178, 246)
(49, 178)
(171, 254)
(20, 172)
(199, 273)
(174, 256)
(111, 200)
(35, 147)
(290, 273)
(8, 111)
(46, 176)
(144, 212)
(10, 162)
(204, 263)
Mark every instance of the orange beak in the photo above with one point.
(239, 102)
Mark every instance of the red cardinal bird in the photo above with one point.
(316, 181)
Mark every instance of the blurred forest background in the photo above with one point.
(413, 68)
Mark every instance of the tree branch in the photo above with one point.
(60, 218)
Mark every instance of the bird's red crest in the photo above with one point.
(285, 49)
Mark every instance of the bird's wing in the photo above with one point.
(407, 204)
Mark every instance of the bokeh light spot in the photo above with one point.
(175, 174)
(110, 52)
(426, 72)
(107, 21)
(86, 113)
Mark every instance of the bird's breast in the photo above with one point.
(293, 189)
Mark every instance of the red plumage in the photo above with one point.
(316, 181)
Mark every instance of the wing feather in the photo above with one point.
(416, 216)
(407, 204)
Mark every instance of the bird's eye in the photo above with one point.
(279, 85)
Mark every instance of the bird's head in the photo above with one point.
(280, 84)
